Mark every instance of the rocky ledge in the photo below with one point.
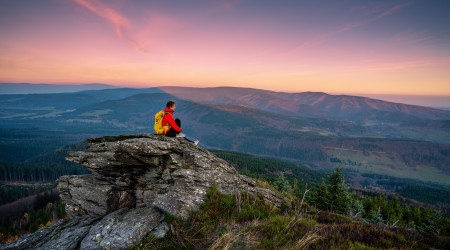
(135, 181)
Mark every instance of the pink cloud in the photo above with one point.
(119, 22)
(157, 26)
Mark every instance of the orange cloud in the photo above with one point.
(119, 22)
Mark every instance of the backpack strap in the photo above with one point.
(165, 113)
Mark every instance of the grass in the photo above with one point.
(215, 218)
(226, 222)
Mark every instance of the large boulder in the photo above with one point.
(148, 170)
(135, 180)
(87, 194)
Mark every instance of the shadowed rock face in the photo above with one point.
(135, 180)
(148, 170)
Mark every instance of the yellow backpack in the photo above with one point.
(159, 128)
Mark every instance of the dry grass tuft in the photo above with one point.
(243, 237)
(264, 184)
(307, 240)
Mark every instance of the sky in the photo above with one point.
(345, 47)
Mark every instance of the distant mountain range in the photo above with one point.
(309, 104)
(27, 88)
(387, 118)
(322, 130)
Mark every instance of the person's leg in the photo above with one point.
(172, 132)
(178, 122)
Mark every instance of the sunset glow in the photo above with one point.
(374, 47)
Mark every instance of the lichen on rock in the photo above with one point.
(136, 179)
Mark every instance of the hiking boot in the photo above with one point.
(181, 135)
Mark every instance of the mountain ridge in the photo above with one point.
(252, 128)
(315, 99)
(36, 88)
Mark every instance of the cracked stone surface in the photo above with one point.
(122, 228)
(135, 180)
(171, 174)
(61, 234)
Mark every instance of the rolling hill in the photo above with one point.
(342, 106)
(319, 142)
(390, 119)
(258, 122)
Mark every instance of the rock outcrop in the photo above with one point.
(135, 181)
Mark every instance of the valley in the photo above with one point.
(322, 131)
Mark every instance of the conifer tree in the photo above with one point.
(339, 197)
(395, 210)
(356, 208)
(322, 197)
(282, 184)
(377, 217)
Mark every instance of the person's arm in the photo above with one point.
(172, 123)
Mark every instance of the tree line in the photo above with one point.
(37, 172)
(333, 195)
(329, 192)
(46, 208)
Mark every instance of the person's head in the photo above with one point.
(171, 105)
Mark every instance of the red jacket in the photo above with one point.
(168, 118)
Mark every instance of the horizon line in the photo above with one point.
(230, 86)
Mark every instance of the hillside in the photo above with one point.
(343, 106)
(387, 118)
(317, 142)
(260, 132)
(148, 191)
(349, 106)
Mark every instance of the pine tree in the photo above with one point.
(322, 197)
(339, 197)
(395, 210)
(356, 208)
(430, 223)
(282, 184)
(377, 217)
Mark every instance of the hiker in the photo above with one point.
(165, 124)
(174, 125)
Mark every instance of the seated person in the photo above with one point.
(175, 125)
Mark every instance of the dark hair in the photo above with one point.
(170, 104)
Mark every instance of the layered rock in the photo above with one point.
(136, 179)
(62, 234)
